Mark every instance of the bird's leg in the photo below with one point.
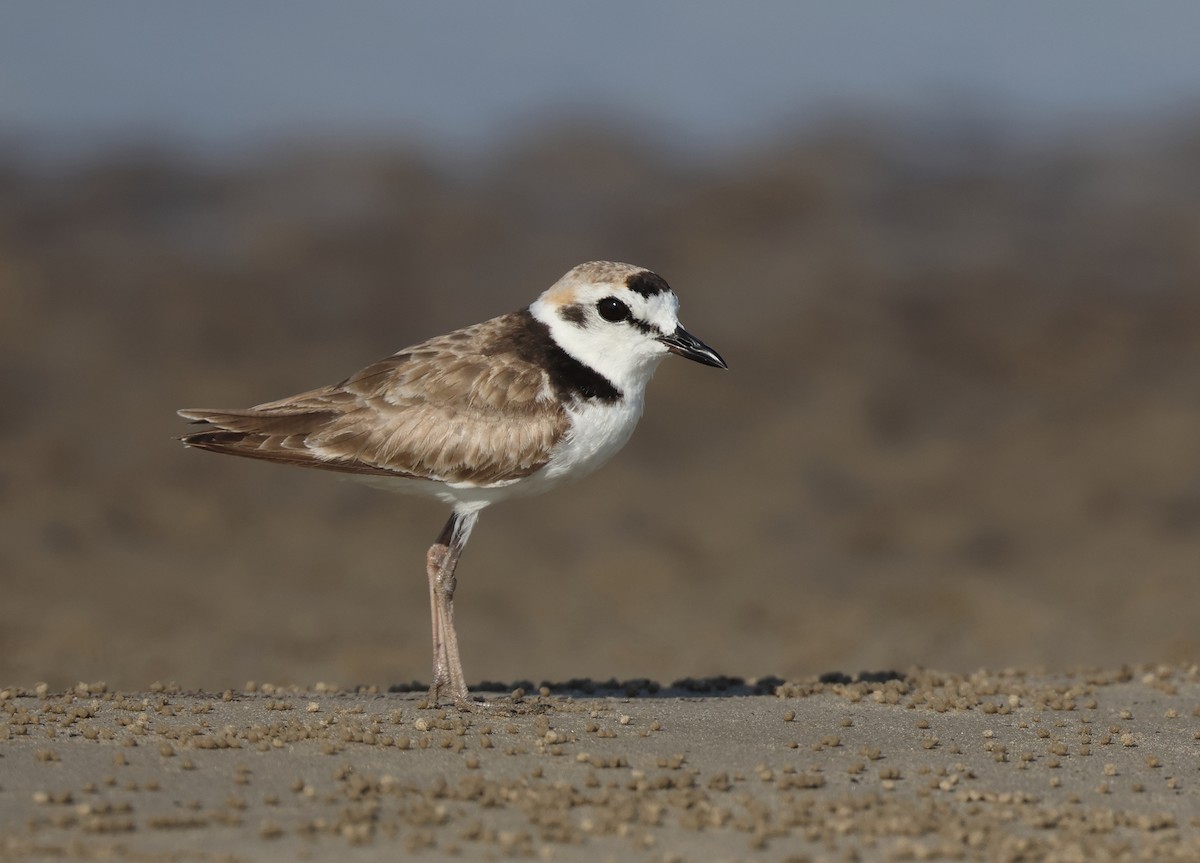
(434, 561)
(440, 563)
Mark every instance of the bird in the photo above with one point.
(511, 406)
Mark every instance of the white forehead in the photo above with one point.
(646, 293)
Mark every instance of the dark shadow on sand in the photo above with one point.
(719, 686)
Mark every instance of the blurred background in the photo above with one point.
(950, 251)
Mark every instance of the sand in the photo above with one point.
(1086, 766)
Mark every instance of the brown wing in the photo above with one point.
(458, 408)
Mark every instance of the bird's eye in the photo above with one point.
(613, 310)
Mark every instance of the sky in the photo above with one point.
(217, 76)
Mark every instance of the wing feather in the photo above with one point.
(459, 408)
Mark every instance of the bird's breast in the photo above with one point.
(598, 431)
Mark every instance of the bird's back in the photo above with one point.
(468, 407)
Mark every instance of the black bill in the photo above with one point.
(686, 345)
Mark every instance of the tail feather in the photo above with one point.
(276, 434)
(262, 422)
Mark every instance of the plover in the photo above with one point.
(511, 406)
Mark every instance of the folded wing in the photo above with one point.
(453, 409)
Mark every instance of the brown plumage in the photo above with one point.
(469, 406)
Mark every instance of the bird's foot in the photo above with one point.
(441, 692)
(490, 707)
(465, 702)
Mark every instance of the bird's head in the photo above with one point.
(620, 320)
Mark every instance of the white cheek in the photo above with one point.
(620, 352)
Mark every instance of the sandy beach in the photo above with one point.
(1087, 766)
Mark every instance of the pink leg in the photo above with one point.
(440, 563)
